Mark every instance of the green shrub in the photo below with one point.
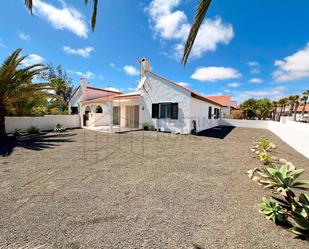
(146, 126)
(32, 130)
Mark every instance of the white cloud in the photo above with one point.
(274, 92)
(215, 73)
(170, 24)
(226, 90)
(233, 85)
(184, 84)
(293, 67)
(24, 36)
(64, 18)
(32, 59)
(88, 74)
(256, 81)
(113, 89)
(133, 89)
(84, 52)
(130, 70)
(255, 67)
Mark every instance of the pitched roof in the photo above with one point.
(194, 94)
(300, 108)
(222, 100)
(101, 89)
(93, 89)
(126, 96)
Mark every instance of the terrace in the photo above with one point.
(86, 189)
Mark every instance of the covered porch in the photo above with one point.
(115, 113)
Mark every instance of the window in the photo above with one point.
(155, 111)
(165, 110)
(217, 113)
(174, 108)
(98, 109)
(209, 112)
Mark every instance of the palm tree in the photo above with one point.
(305, 98)
(293, 100)
(282, 102)
(199, 16)
(16, 84)
(274, 112)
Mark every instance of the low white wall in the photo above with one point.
(47, 122)
(293, 133)
(260, 124)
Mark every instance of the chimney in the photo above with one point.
(83, 84)
(145, 66)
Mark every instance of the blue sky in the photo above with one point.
(244, 48)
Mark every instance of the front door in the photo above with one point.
(132, 116)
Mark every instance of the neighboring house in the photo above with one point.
(302, 113)
(227, 103)
(158, 102)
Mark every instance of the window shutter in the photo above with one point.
(174, 114)
(155, 110)
(209, 112)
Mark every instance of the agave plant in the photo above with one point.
(273, 211)
(301, 217)
(282, 180)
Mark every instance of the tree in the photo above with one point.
(282, 103)
(294, 103)
(60, 83)
(261, 107)
(304, 99)
(274, 112)
(16, 84)
(199, 16)
(264, 107)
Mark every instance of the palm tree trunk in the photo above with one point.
(3, 113)
(295, 110)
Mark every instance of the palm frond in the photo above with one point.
(29, 5)
(94, 14)
(198, 19)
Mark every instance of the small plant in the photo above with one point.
(282, 180)
(300, 216)
(146, 126)
(18, 132)
(265, 144)
(59, 128)
(265, 158)
(272, 211)
(32, 130)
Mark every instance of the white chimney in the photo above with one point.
(83, 84)
(145, 66)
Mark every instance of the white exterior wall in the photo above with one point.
(160, 91)
(199, 113)
(44, 123)
(293, 133)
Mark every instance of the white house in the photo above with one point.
(158, 102)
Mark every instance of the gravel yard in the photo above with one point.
(83, 189)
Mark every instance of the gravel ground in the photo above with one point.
(83, 189)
